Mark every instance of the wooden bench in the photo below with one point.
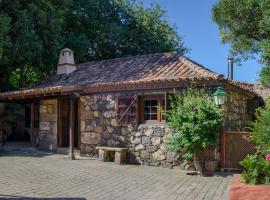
(120, 154)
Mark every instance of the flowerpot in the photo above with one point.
(242, 191)
(211, 165)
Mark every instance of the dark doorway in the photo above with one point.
(63, 125)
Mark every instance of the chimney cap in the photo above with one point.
(230, 58)
(66, 50)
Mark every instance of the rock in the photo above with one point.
(159, 131)
(98, 129)
(151, 149)
(138, 134)
(158, 155)
(162, 147)
(139, 147)
(96, 113)
(144, 155)
(156, 141)
(122, 139)
(135, 140)
(168, 130)
(124, 131)
(89, 149)
(94, 106)
(82, 125)
(114, 122)
(146, 141)
(110, 105)
(106, 122)
(148, 132)
(87, 108)
(168, 165)
(110, 129)
(90, 128)
(171, 157)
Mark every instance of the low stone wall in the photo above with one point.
(48, 125)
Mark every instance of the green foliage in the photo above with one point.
(33, 32)
(23, 77)
(256, 170)
(195, 119)
(245, 25)
(261, 129)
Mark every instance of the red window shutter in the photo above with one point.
(127, 110)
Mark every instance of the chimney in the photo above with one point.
(66, 63)
(230, 67)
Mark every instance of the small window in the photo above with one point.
(151, 109)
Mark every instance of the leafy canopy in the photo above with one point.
(245, 25)
(33, 32)
(194, 118)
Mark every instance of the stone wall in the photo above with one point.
(48, 125)
(99, 127)
(237, 117)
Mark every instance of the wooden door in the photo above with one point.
(63, 125)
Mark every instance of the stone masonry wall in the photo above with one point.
(48, 125)
(146, 142)
(237, 117)
(99, 127)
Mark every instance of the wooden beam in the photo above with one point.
(71, 128)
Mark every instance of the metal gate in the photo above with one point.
(234, 148)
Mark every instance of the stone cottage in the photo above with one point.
(118, 103)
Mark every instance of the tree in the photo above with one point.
(107, 29)
(245, 25)
(33, 36)
(195, 119)
(35, 31)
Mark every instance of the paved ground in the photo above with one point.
(36, 175)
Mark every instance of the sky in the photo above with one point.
(201, 35)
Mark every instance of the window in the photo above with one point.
(127, 110)
(150, 109)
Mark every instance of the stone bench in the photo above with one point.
(120, 154)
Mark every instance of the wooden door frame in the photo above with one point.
(59, 119)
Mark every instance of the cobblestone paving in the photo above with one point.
(28, 175)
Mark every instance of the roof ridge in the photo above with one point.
(126, 57)
(196, 64)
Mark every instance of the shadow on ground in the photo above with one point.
(37, 198)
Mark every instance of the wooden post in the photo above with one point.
(71, 128)
(71, 123)
(32, 124)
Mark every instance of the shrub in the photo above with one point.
(261, 129)
(194, 118)
(257, 170)
(257, 167)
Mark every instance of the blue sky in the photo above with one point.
(193, 21)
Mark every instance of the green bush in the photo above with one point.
(195, 119)
(257, 170)
(257, 167)
(261, 129)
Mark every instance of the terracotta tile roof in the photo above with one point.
(159, 66)
(162, 68)
(259, 89)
